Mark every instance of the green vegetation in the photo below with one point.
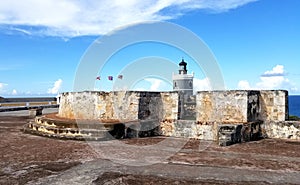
(294, 118)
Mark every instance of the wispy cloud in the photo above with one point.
(2, 85)
(24, 31)
(9, 66)
(56, 87)
(69, 18)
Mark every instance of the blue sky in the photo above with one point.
(256, 43)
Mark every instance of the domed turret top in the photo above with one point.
(182, 67)
(182, 63)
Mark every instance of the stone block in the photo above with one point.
(229, 134)
(35, 112)
(227, 106)
(274, 105)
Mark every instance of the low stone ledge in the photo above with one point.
(188, 129)
(35, 112)
(282, 129)
(91, 129)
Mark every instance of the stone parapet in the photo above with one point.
(274, 105)
(227, 106)
(121, 105)
(227, 117)
(282, 129)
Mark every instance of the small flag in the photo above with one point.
(98, 78)
(120, 77)
(110, 78)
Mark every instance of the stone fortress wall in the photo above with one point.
(119, 105)
(227, 117)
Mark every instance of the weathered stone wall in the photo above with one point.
(229, 134)
(274, 105)
(120, 105)
(71, 105)
(282, 129)
(188, 129)
(227, 106)
(224, 116)
(170, 102)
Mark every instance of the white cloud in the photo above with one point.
(276, 71)
(155, 83)
(271, 80)
(275, 79)
(75, 17)
(56, 87)
(201, 84)
(244, 85)
(14, 92)
(274, 82)
(2, 86)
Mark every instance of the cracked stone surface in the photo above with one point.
(28, 159)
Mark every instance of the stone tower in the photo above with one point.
(183, 82)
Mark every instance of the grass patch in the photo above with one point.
(294, 118)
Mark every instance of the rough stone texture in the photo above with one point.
(35, 112)
(229, 134)
(121, 105)
(27, 159)
(167, 127)
(282, 129)
(99, 105)
(187, 106)
(170, 105)
(227, 106)
(188, 129)
(225, 116)
(274, 105)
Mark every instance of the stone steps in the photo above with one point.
(66, 133)
(90, 129)
(73, 124)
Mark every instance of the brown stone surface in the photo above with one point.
(27, 158)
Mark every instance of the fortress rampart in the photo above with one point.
(227, 117)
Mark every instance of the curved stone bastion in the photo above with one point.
(226, 117)
(105, 115)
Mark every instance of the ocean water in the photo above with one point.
(294, 105)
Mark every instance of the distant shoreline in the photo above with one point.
(27, 99)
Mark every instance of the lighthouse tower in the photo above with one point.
(183, 82)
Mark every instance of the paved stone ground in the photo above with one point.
(28, 159)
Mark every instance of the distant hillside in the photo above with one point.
(1, 98)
